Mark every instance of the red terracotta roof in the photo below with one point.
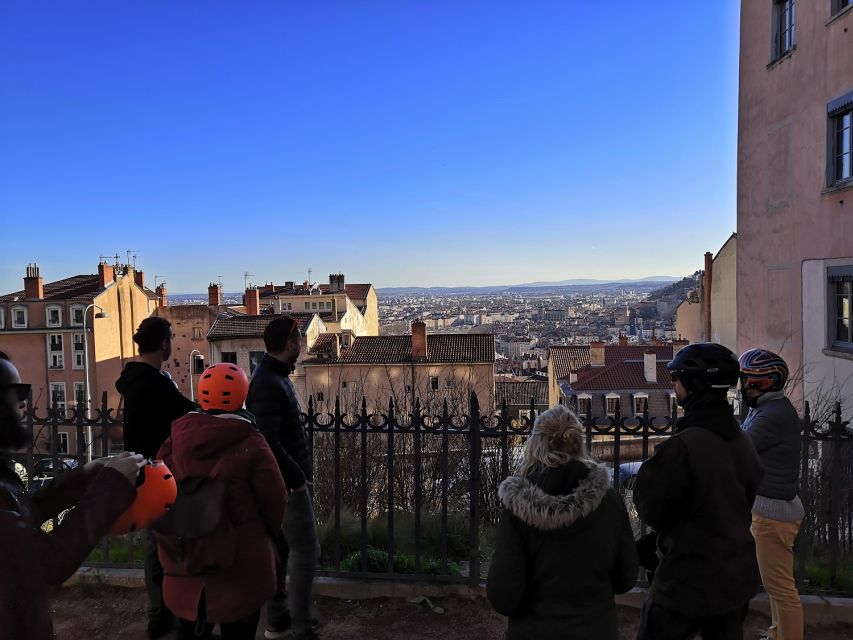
(624, 376)
(568, 358)
(325, 344)
(226, 327)
(75, 288)
(441, 349)
(520, 393)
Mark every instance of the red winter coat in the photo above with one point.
(255, 500)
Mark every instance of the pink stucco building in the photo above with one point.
(795, 190)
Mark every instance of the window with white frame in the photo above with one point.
(308, 306)
(19, 317)
(77, 312)
(53, 316)
(57, 397)
(78, 353)
(840, 288)
(612, 400)
(80, 395)
(584, 404)
(840, 143)
(62, 442)
(640, 400)
(54, 351)
(433, 383)
(784, 19)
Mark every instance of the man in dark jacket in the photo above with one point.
(697, 492)
(35, 561)
(151, 402)
(273, 401)
(776, 431)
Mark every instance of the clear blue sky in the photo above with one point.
(401, 142)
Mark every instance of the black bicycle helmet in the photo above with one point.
(709, 364)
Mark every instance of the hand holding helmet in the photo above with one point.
(155, 492)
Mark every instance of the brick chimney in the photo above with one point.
(678, 345)
(161, 294)
(623, 340)
(33, 284)
(419, 340)
(336, 283)
(706, 294)
(252, 300)
(650, 366)
(106, 274)
(214, 294)
(596, 354)
(139, 278)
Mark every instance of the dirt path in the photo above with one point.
(88, 612)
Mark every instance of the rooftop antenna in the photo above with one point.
(131, 252)
(220, 281)
(117, 258)
(246, 276)
(309, 275)
(162, 278)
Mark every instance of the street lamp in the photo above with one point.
(192, 391)
(101, 314)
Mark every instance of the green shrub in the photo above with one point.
(377, 562)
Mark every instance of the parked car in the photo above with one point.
(627, 474)
(43, 470)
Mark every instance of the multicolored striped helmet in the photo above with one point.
(763, 370)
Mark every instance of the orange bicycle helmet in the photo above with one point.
(223, 386)
(156, 490)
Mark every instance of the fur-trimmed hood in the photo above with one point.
(546, 511)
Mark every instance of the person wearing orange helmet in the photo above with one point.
(35, 561)
(776, 431)
(151, 402)
(221, 444)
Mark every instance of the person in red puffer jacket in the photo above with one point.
(223, 441)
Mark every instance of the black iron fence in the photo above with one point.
(414, 496)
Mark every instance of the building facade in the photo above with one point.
(795, 191)
(41, 329)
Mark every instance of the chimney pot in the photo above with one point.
(214, 294)
(139, 278)
(33, 283)
(650, 365)
(596, 354)
(161, 294)
(419, 340)
(106, 274)
(252, 300)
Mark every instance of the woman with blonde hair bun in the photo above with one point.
(564, 543)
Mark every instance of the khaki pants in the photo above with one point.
(774, 546)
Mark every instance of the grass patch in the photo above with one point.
(118, 550)
(377, 562)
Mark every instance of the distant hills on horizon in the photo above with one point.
(575, 284)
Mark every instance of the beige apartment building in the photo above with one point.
(41, 329)
(430, 368)
(795, 191)
(710, 312)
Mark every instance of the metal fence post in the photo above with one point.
(802, 545)
(474, 439)
(837, 430)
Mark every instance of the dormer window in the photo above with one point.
(77, 312)
(54, 316)
(19, 317)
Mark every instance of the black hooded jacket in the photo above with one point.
(151, 402)
(564, 547)
(697, 492)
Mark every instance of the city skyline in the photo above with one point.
(417, 145)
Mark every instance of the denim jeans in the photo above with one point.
(299, 554)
